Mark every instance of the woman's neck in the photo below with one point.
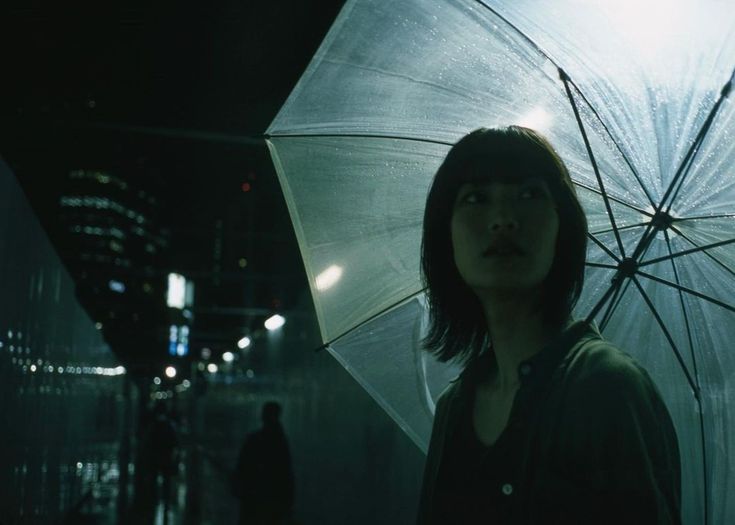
(517, 332)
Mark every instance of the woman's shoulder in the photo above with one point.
(598, 364)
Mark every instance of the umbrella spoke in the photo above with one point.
(685, 167)
(704, 217)
(593, 313)
(688, 290)
(565, 80)
(687, 325)
(662, 325)
(354, 136)
(630, 227)
(612, 306)
(592, 189)
(662, 219)
(601, 265)
(672, 255)
(614, 303)
(604, 248)
(714, 259)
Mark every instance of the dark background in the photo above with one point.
(172, 99)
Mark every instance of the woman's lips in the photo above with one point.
(503, 248)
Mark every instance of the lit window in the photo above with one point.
(176, 296)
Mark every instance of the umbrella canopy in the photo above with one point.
(634, 96)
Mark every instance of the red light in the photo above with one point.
(246, 187)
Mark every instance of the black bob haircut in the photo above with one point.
(457, 325)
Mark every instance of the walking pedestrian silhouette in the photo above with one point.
(263, 478)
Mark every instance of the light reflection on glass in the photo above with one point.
(538, 118)
(274, 322)
(328, 277)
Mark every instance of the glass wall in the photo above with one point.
(61, 388)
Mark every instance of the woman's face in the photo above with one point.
(504, 233)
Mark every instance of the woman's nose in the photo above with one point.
(502, 218)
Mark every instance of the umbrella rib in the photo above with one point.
(565, 79)
(688, 290)
(630, 227)
(683, 169)
(695, 371)
(614, 303)
(672, 255)
(686, 165)
(662, 325)
(602, 246)
(594, 111)
(354, 136)
(704, 217)
(612, 198)
(369, 319)
(601, 265)
(602, 301)
(714, 259)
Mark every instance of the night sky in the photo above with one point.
(162, 93)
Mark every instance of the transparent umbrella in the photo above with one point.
(635, 98)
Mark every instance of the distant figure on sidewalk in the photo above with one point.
(161, 446)
(263, 479)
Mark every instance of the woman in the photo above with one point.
(548, 423)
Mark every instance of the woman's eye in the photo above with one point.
(473, 197)
(531, 193)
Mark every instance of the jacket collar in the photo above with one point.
(539, 367)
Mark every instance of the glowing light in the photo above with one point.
(157, 380)
(206, 353)
(33, 368)
(274, 322)
(186, 383)
(170, 372)
(250, 373)
(176, 295)
(328, 277)
(120, 370)
(228, 357)
(98, 326)
(244, 343)
(212, 368)
(538, 119)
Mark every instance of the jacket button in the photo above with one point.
(507, 489)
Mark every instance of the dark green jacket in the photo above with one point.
(592, 440)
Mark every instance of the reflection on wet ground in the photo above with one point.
(95, 480)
